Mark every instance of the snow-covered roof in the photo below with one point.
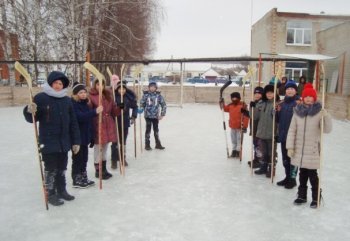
(211, 72)
(242, 73)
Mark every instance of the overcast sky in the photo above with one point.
(221, 28)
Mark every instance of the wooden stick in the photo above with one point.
(122, 120)
(252, 125)
(28, 78)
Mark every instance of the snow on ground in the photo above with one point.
(188, 192)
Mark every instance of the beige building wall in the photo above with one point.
(269, 35)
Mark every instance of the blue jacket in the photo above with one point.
(58, 126)
(130, 102)
(84, 116)
(151, 102)
(284, 116)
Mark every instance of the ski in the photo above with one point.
(27, 77)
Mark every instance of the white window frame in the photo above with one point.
(297, 26)
(303, 71)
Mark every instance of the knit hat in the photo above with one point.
(78, 87)
(115, 80)
(152, 83)
(119, 85)
(291, 84)
(309, 91)
(269, 88)
(235, 95)
(258, 90)
(57, 75)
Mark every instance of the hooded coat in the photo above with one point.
(304, 135)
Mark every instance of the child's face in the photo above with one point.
(82, 95)
(57, 85)
(257, 96)
(152, 88)
(121, 92)
(235, 100)
(98, 86)
(308, 100)
(291, 92)
(269, 95)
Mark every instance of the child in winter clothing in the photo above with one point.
(129, 102)
(151, 101)
(258, 93)
(284, 116)
(302, 82)
(264, 119)
(303, 142)
(239, 118)
(58, 133)
(282, 87)
(85, 116)
(108, 127)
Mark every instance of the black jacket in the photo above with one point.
(58, 126)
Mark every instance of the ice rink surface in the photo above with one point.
(188, 192)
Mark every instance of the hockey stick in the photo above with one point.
(252, 80)
(100, 78)
(321, 139)
(26, 75)
(116, 118)
(244, 80)
(137, 74)
(223, 112)
(273, 151)
(122, 120)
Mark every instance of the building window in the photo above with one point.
(299, 33)
(294, 70)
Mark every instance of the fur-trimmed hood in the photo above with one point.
(303, 110)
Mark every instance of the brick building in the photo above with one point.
(12, 54)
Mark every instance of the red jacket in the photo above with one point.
(236, 115)
(110, 110)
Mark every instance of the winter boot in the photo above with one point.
(114, 164)
(313, 203)
(78, 182)
(290, 183)
(233, 153)
(256, 163)
(283, 182)
(52, 197)
(262, 169)
(97, 172)
(302, 193)
(238, 154)
(270, 171)
(125, 162)
(104, 170)
(61, 186)
(158, 144)
(86, 180)
(148, 147)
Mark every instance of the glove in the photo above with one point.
(139, 111)
(243, 110)
(252, 104)
(121, 105)
(32, 108)
(92, 143)
(75, 149)
(244, 130)
(277, 139)
(290, 152)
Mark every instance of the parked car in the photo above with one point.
(197, 79)
(158, 79)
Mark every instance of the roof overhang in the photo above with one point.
(308, 56)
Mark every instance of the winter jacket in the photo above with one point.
(304, 135)
(85, 117)
(284, 116)
(130, 102)
(300, 88)
(264, 118)
(110, 111)
(255, 122)
(235, 121)
(151, 102)
(282, 89)
(58, 126)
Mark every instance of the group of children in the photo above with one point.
(297, 128)
(73, 124)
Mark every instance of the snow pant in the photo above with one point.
(149, 123)
(55, 165)
(114, 146)
(236, 139)
(290, 170)
(103, 154)
(266, 150)
(304, 176)
(80, 161)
